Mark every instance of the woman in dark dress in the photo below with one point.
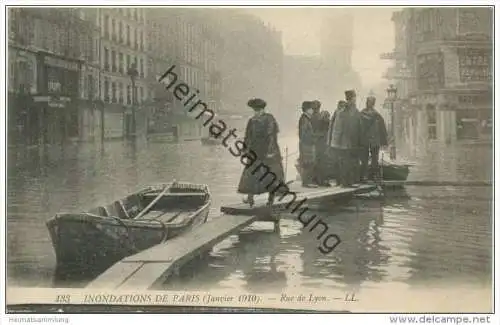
(261, 140)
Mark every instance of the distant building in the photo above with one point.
(443, 72)
(122, 45)
(49, 51)
(303, 78)
(336, 46)
(250, 61)
(185, 39)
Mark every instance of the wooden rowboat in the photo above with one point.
(96, 239)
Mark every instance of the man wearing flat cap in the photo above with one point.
(307, 145)
(345, 139)
(373, 138)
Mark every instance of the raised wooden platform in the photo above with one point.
(154, 265)
(313, 195)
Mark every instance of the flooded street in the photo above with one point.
(438, 235)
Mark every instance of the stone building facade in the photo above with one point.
(446, 89)
(122, 44)
(185, 39)
(49, 50)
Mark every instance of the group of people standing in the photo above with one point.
(339, 147)
(329, 148)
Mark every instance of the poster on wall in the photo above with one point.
(430, 71)
(475, 64)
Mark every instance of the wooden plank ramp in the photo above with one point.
(152, 266)
(311, 194)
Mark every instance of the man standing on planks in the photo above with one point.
(307, 145)
(346, 140)
(373, 138)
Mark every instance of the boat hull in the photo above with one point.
(88, 244)
(390, 172)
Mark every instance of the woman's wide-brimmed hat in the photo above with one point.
(257, 103)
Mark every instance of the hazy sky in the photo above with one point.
(373, 34)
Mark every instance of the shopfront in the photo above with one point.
(56, 103)
(474, 116)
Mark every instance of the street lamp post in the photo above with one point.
(133, 73)
(391, 94)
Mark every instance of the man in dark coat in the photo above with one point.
(374, 136)
(345, 139)
(307, 146)
(320, 134)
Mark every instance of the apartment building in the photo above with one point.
(48, 51)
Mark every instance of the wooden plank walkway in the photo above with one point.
(311, 194)
(154, 265)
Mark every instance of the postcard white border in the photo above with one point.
(132, 319)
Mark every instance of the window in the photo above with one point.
(120, 92)
(106, 26)
(106, 59)
(128, 95)
(141, 93)
(106, 90)
(90, 86)
(140, 68)
(136, 41)
(113, 29)
(431, 122)
(113, 61)
(141, 41)
(475, 20)
(136, 17)
(128, 35)
(120, 32)
(120, 63)
(113, 91)
(128, 63)
(430, 71)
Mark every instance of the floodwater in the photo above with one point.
(434, 235)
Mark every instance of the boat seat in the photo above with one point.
(114, 210)
(176, 194)
(132, 204)
(99, 211)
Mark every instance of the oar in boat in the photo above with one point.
(150, 205)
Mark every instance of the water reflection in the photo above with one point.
(430, 235)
